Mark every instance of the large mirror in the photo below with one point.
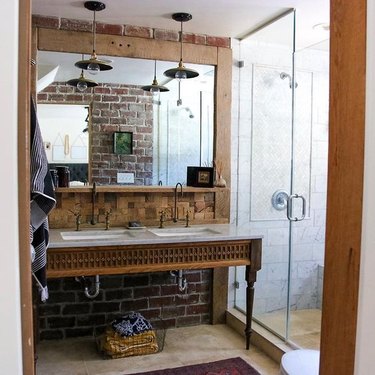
(165, 135)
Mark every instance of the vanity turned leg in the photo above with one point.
(250, 279)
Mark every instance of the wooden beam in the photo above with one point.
(345, 186)
(124, 46)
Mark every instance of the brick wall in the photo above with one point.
(69, 313)
(129, 30)
(115, 107)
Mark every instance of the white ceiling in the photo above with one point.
(228, 18)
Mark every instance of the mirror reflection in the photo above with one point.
(169, 130)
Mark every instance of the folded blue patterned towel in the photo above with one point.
(131, 324)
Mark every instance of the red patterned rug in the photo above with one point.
(231, 366)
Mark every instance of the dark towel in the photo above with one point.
(42, 202)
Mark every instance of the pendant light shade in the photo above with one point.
(181, 72)
(155, 87)
(82, 83)
(93, 64)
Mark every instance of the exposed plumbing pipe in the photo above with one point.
(83, 280)
(181, 280)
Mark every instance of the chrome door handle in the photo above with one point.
(290, 207)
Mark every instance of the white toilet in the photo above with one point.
(300, 362)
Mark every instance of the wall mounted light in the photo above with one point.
(155, 88)
(93, 65)
(181, 72)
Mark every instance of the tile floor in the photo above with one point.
(304, 326)
(183, 346)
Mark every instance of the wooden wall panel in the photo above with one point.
(345, 186)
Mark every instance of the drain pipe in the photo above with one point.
(181, 280)
(86, 288)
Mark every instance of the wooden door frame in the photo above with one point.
(345, 186)
(24, 50)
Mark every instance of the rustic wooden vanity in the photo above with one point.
(143, 251)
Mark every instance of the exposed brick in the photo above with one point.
(166, 35)
(134, 305)
(194, 38)
(52, 335)
(186, 300)
(161, 301)
(99, 307)
(68, 284)
(47, 22)
(79, 332)
(218, 41)
(111, 281)
(148, 291)
(136, 280)
(47, 309)
(197, 309)
(193, 277)
(61, 297)
(76, 309)
(59, 322)
(104, 28)
(90, 320)
(138, 31)
(75, 25)
(101, 90)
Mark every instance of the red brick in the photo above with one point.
(194, 38)
(47, 22)
(218, 41)
(138, 31)
(166, 35)
(197, 309)
(105, 28)
(75, 25)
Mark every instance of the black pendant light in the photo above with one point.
(82, 83)
(181, 72)
(93, 65)
(154, 88)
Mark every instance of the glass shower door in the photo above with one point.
(281, 176)
(265, 164)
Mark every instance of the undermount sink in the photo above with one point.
(95, 234)
(189, 231)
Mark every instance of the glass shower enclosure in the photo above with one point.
(281, 177)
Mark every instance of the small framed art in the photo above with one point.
(200, 176)
(123, 143)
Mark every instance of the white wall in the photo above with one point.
(10, 343)
(365, 349)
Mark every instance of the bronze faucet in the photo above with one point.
(93, 221)
(77, 214)
(175, 201)
(162, 219)
(187, 218)
(107, 215)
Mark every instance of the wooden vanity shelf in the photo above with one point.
(139, 258)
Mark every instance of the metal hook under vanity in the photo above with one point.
(85, 282)
(182, 282)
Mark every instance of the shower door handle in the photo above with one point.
(289, 206)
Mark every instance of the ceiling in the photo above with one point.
(227, 18)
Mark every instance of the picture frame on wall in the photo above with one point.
(200, 176)
(123, 143)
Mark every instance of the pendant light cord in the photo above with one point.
(94, 33)
(181, 42)
(155, 71)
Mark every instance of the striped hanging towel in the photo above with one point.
(41, 204)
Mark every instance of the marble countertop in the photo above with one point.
(170, 234)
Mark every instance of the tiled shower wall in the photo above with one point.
(250, 176)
